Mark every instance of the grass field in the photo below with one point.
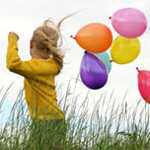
(110, 126)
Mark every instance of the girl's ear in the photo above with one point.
(31, 44)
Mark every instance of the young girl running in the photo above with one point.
(39, 77)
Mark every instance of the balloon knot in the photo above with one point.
(85, 52)
(110, 17)
(111, 61)
(137, 68)
(72, 37)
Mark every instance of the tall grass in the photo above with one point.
(109, 126)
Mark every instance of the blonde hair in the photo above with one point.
(46, 39)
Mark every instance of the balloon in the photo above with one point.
(125, 50)
(94, 37)
(129, 22)
(144, 84)
(105, 58)
(93, 72)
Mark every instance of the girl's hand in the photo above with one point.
(15, 35)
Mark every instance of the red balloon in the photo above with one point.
(144, 84)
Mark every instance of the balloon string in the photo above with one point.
(72, 37)
(137, 68)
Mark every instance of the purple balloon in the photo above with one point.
(93, 72)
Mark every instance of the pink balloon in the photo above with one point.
(144, 84)
(129, 22)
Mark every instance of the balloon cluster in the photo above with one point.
(129, 23)
(96, 38)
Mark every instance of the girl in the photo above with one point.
(39, 74)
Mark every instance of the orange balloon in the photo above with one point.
(94, 37)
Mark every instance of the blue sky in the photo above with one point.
(23, 16)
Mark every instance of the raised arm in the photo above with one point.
(28, 69)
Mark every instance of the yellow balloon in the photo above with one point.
(125, 50)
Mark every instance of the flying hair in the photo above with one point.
(46, 39)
